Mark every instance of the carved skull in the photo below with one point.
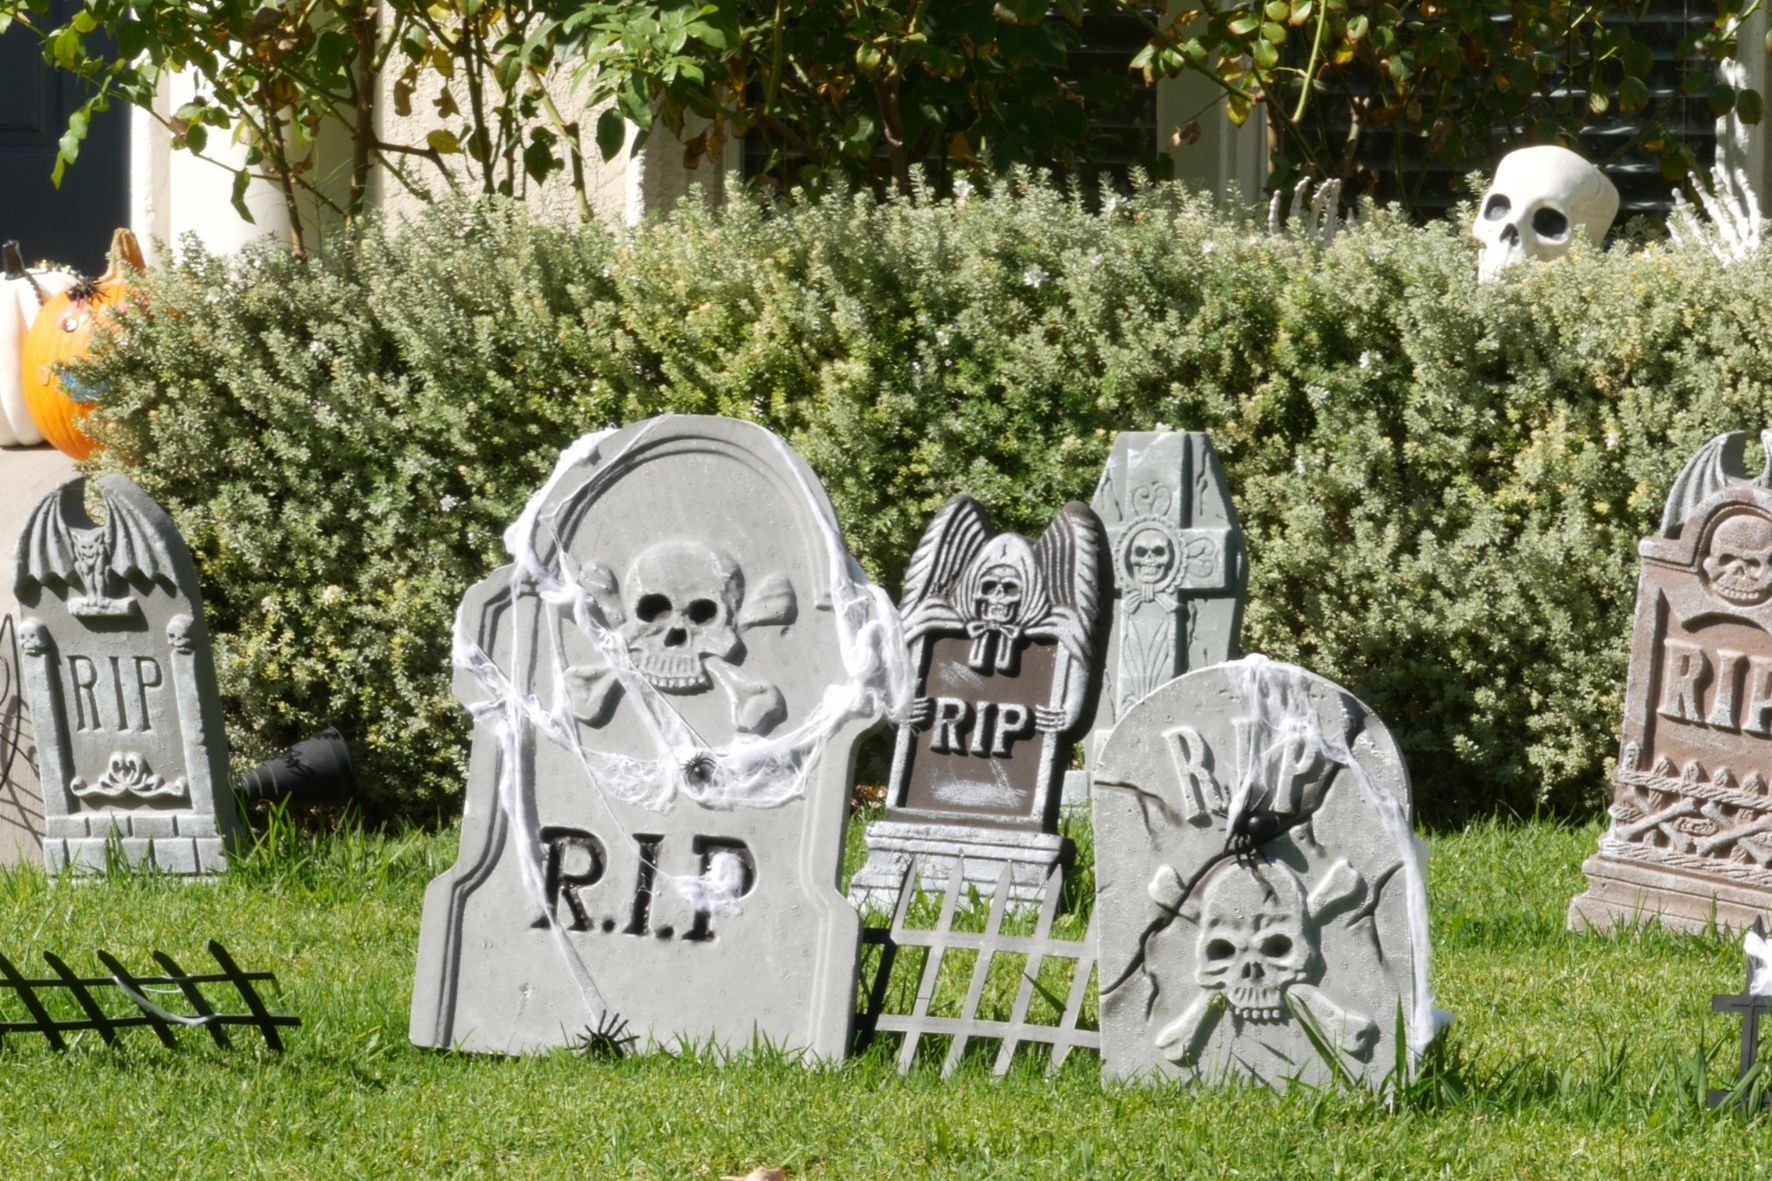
(1151, 556)
(1738, 564)
(1540, 199)
(1000, 592)
(1256, 938)
(682, 600)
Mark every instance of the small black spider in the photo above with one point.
(609, 1038)
(699, 769)
(1252, 830)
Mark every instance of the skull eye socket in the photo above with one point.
(702, 611)
(989, 586)
(1496, 208)
(1276, 946)
(1549, 223)
(1220, 949)
(650, 607)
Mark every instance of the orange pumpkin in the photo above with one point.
(62, 333)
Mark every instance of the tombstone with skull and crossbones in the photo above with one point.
(1257, 958)
(681, 614)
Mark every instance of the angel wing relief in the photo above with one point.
(1002, 632)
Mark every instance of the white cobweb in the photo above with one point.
(1278, 695)
(748, 772)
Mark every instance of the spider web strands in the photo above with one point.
(1011, 1034)
(31, 993)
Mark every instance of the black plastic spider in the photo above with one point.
(609, 1038)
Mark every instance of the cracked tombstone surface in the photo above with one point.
(667, 684)
(1691, 836)
(1179, 574)
(1002, 635)
(121, 686)
(1255, 871)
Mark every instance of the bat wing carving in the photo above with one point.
(46, 551)
(135, 534)
(1717, 465)
(954, 537)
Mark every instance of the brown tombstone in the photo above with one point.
(1002, 636)
(1691, 835)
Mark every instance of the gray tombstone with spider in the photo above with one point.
(122, 690)
(1259, 892)
(667, 685)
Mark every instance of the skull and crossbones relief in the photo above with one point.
(1738, 561)
(682, 611)
(1257, 957)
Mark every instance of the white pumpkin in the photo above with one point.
(22, 293)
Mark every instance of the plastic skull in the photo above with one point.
(1151, 555)
(682, 600)
(1540, 199)
(1738, 564)
(1255, 938)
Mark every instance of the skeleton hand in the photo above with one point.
(922, 713)
(1311, 219)
(1048, 720)
(1730, 227)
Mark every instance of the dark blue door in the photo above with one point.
(71, 225)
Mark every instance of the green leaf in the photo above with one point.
(1721, 99)
(1277, 10)
(1266, 54)
(612, 132)
(1276, 34)
(242, 178)
(1633, 95)
(1242, 26)
(1748, 106)
(443, 142)
(84, 21)
(1597, 102)
(1357, 26)
(196, 137)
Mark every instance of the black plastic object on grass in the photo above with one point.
(315, 770)
(1748, 1086)
(32, 992)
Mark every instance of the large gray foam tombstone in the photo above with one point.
(122, 690)
(623, 859)
(1179, 574)
(1253, 858)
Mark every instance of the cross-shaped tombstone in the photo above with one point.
(1751, 1003)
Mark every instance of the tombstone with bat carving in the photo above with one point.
(122, 691)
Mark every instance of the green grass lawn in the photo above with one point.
(1571, 1057)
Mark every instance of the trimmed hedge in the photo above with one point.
(1442, 485)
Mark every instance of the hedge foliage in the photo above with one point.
(1442, 485)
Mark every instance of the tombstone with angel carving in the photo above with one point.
(1260, 900)
(667, 684)
(1002, 636)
